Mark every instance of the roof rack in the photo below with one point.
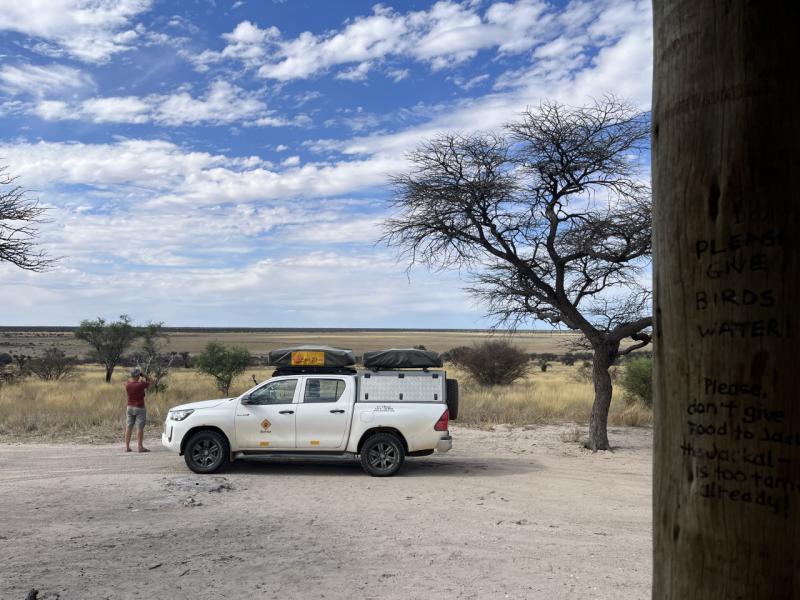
(307, 370)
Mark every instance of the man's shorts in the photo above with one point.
(136, 415)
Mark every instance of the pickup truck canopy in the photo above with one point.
(402, 358)
(311, 356)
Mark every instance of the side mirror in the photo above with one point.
(246, 399)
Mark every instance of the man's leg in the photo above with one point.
(128, 432)
(141, 417)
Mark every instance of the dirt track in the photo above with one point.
(507, 514)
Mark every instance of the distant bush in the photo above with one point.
(493, 362)
(53, 365)
(454, 355)
(637, 381)
(222, 363)
(585, 372)
(568, 359)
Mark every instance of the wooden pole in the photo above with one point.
(726, 175)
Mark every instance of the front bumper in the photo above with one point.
(172, 436)
(445, 443)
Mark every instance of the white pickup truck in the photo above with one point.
(380, 416)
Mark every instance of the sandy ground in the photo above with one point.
(513, 513)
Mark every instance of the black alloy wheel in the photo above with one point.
(206, 452)
(382, 455)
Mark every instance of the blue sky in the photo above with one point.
(224, 163)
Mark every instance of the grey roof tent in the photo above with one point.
(402, 358)
(332, 357)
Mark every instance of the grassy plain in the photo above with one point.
(259, 342)
(85, 408)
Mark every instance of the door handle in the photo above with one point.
(338, 410)
(286, 412)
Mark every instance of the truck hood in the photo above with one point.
(201, 404)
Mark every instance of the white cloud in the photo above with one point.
(468, 84)
(291, 161)
(310, 289)
(622, 66)
(358, 73)
(42, 80)
(397, 74)
(90, 31)
(446, 34)
(53, 110)
(175, 176)
(222, 103)
(127, 109)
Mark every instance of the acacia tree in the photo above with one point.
(154, 363)
(109, 341)
(18, 219)
(222, 363)
(552, 219)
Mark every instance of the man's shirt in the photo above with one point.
(135, 391)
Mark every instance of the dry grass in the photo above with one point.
(85, 408)
(556, 396)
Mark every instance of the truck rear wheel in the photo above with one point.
(206, 452)
(382, 455)
(451, 393)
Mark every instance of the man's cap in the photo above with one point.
(135, 372)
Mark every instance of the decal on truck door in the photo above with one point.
(265, 425)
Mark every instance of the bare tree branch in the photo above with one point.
(19, 217)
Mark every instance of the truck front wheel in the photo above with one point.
(206, 452)
(382, 455)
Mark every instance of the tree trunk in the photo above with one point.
(109, 372)
(604, 357)
(726, 147)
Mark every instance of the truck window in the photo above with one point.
(323, 390)
(277, 392)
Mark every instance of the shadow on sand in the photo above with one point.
(413, 467)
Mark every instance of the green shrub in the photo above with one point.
(494, 362)
(637, 381)
(222, 363)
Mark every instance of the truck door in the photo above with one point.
(324, 413)
(265, 418)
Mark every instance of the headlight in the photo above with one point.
(179, 415)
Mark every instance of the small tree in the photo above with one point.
(552, 219)
(154, 363)
(53, 365)
(109, 341)
(494, 362)
(637, 380)
(23, 363)
(222, 363)
(18, 219)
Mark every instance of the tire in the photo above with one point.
(382, 455)
(206, 452)
(451, 393)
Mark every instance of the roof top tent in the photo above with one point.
(401, 358)
(310, 359)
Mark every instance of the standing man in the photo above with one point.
(135, 411)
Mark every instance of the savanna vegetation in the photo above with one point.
(84, 407)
